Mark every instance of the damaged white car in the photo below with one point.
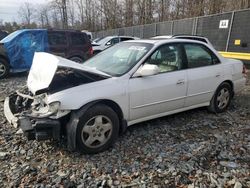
(134, 81)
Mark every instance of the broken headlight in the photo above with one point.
(46, 111)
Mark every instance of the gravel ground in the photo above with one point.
(189, 149)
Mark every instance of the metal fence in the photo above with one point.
(227, 32)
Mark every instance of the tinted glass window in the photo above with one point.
(199, 56)
(126, 38)
(114, 40)
(57, 38)
(77, 39)
(193, 38)
(167, 58)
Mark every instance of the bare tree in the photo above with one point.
(71, 13)
(43, 16)
(94, 15)
(26, 13)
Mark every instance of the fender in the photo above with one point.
(71, 126)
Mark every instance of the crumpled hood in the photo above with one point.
(44, 67)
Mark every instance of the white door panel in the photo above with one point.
(202, 83)
(157, 94)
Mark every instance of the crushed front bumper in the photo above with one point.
(33, 128)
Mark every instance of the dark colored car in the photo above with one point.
(18, 48)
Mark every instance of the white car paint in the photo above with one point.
(141, 98)
(103, 43)
(198, 38)
(44, 67)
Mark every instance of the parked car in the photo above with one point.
(128, 83)
(191, 37)
(89, 34)
(18, 48)
(105, 42)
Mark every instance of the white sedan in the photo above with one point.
(134, 81)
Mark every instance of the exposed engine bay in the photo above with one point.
(24, 103)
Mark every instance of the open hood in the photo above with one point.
(44, 67)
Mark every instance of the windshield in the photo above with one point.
(98, 39)
(11, 36)
(119, 59)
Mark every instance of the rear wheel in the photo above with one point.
(4, 68)
(97, 129)
(222, 98)
(76, 59)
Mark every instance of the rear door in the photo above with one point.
(58, 43)
(205, 73)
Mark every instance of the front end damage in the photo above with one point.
(37, 119)
(41, 109)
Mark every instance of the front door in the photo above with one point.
(154, 95)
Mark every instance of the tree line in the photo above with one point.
(95, 15)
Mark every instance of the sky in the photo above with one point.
(9, 9)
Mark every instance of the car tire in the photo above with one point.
(76, 59)
(96, 52)
(97, 129)
(221, 99)
(4, 68)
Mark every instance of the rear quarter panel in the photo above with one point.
(233, 71)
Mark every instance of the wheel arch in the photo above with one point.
(5, 58)
(77, 55)
(71, 126)
(230, 83)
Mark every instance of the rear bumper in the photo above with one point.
(33, 128)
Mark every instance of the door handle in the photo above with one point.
(217, 75)
(180, 82)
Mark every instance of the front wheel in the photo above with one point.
(97, 129)
(222, 98)
(4, 68)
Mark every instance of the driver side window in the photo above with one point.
(168, 58)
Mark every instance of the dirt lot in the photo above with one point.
(190, 149)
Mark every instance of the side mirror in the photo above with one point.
(147, 70)
(108, 43)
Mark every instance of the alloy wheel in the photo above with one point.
(223, 98)
(2, 69)
(97, 131)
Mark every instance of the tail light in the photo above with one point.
(244, 70)
(91, 51)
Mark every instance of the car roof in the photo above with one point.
(164, 41)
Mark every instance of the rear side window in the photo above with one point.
(193, 38)
(78, 38)
(199, 56)
(57, 38)
(126, 38)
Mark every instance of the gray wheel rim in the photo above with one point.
(76, 59)
(223, 98)
(97, 131)
(2, 69)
